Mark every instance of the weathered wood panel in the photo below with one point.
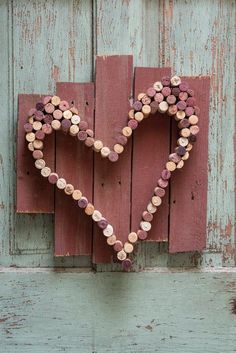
(112, 181)
(73, 228)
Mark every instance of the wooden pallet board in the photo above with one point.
(33, 193)
(151, 145)
(112, 189)
(188, 199)
(73, 228)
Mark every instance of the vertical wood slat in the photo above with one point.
(151, 147)
(188, 202)
(34, 193)
(112, 181)
(74, 161)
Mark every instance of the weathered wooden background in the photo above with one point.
(56, 40)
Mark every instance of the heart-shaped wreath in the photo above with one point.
(170, 96)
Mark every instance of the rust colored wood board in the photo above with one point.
(188, 202)
(151, 145)
(33, 193)
(74, 161)
(112, 181)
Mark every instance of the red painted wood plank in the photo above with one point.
(33, 193)
(73, 228)
(150, 152)
(188, 203)
(112, 181)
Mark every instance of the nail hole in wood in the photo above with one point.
(174, 201)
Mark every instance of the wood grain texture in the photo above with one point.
(151, 145)
(74, 161)
(84, 312)
(188, 198)
(33, 193)
(112, 181)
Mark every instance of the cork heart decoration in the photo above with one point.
(169, 96)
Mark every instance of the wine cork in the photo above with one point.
(103, 223)
(38, 144)
(76, 195)
(89, 141)
(56, 124)
(137, 106)
(172, 110)
(31, 112)
(30, 136)
(193, 119)
(122, 140)
(127, 131)
(147, 216)
(163, 107)
(61, 183)
(57, 114)
(118, 148)
(196, 110)
(180, 150)
(45, 172)
(162, 183)
(39, 135)
(47, 100)
(175, 91)
(31, 120)
(183, 123)
(39, 106)
(132, 237)
(37, 154)
(97, 146)
(159, 192)
(166, 91)
(69, 189)
(37, 125)
(146, 110)
(182, 141)
(121, 255)
(128, 248)
(185, 156)
(118, 246)
(181, 105)
(140, 96)
(189, 147)
(192, 138)
(165, 174)
(183, 96)
(184, 86)
(191, 102)
(146, 100)
(67, 114)
(48, 119)
(156, 201)
(185, 132)
(139, 116)
(151, 208)
(75, 119)
(145, 226)
(194, 129)
(126, 265)
(113, 156)
(40, 163)
(158, 86)
(90, 132)
(38, 115)
(47, 129)
(142, 234)
(165, 81)
(171, 166)
(52, 178)
(89, 209)
(171, 99)
(133, 124)
(108, 231)
(154, 107)
(83, 136)
(111, 240)
(64, 105)
(189, 111)
(174, 157)
(175, 81)
(83, 202)
(74, 110)
(74, 129)
(49, 108)
(105, 151)
(55, 100)
(97, 216)
(158, 97)
(180, 164)
(180, 115)
(131, 114)
(151, 92)
(28, 127)
(30, 146)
